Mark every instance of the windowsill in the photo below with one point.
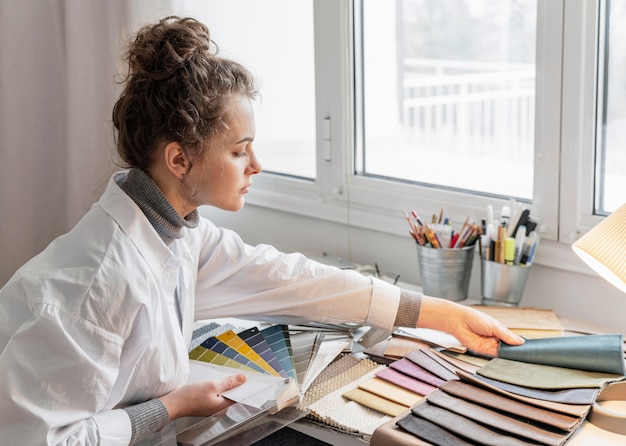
(558, 255)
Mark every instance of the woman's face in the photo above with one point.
(223, 175)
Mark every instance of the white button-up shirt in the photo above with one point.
(90, 325)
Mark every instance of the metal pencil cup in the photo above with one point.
(445, 272)
(502, 284)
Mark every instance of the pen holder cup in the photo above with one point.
(445, 272)
(502, 284)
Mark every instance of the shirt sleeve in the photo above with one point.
(238, 280)
(58, 406)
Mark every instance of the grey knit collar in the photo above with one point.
(160, 213)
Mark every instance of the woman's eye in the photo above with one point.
(240, 154)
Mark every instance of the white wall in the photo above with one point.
(578, 296)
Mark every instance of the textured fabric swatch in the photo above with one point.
(426, 362)
(201, 332)
(413, 370)
(338, 412)
(511, 406)
(411, 384)
(339, 365)
(390, 391)
(474, 432)
(494, 419)
(347, 377)
(375, 402)
(429, 432)
(544, 376)
(576, 410)
(594, 353)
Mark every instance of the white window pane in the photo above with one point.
(449, 93)
(274, 40)
(610, 151)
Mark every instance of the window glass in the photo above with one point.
(610, 181)
(274, 40)
(449, 93)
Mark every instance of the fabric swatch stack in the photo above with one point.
(501, 401)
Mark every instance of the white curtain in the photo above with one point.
(58, 66)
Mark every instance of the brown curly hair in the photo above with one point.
(176, 89)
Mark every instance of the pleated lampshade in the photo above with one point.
(603, 248)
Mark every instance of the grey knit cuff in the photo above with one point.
(409, 309)
(147, 418)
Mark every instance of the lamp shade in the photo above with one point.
(603, 248)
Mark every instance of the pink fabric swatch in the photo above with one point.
(402, 380)
(414, 371)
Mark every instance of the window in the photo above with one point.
(448, 93)
(386, 106)
(280, 55)
(610, 157)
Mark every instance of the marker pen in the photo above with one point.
(519, 242)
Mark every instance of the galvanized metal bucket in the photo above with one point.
(445, 272)
(502, 284)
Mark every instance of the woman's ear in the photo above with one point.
(176, 160)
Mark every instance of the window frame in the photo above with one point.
(564, 139)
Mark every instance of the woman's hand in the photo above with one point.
(200, 399)
(474, 329)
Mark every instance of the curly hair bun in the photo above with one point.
(159, 50)
(176, 89)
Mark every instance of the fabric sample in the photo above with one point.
(496, 420)
(594, 353)
(375, 402)
(390, 391)
(202, 332)
(348, 377)
(400, 346)
(567, 396)
(400, 379)
(338, 412)
(339, 365)
(511, 406)
(577, 410)
(423, 360)
(475, 362)
(389, 433)
(413, 370)
(435, 356)
(544, 376)
(429, 432)
(474, 432)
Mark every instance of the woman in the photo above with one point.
(94, 331)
